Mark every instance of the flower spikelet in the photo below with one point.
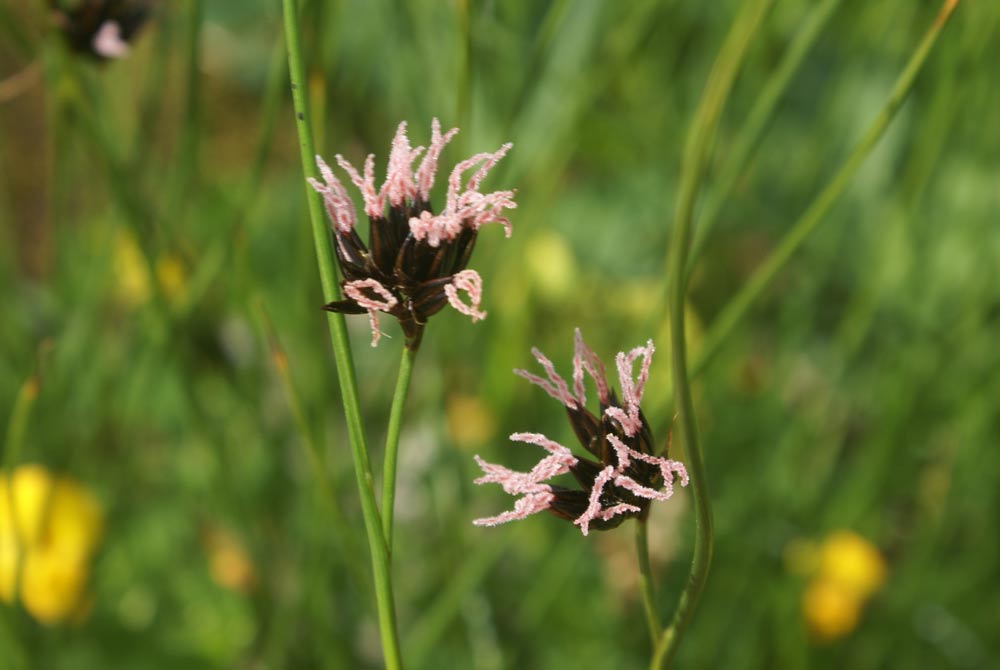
(415, 260)
(625, 475)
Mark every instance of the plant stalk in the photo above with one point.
(341, 349)
(392, 442)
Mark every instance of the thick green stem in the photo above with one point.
(696, 153)
(392, 442)
(341, 349)
(646, 579)
(739, 305)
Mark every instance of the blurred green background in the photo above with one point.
(154, 224)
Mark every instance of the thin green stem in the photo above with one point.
(646, 578)
(696, 153)
(13, 441)
(341, 349)
(739, 305)
(187, 160)
(392, 442)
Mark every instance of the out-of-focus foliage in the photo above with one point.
(861, 393)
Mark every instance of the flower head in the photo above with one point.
(626, 476)
(414, 262)
(101, 28)
(49, 528)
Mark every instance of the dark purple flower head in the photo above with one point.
(101, 28)
(414, 263)
(626, 475)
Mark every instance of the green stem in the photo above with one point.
(13, 441)
(696, 153)
(739, 305)
(187, 160)
(392, 442)
(646, 578)
(341, 349)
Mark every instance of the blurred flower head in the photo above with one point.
(101, 28)
(846, 571)
(49, 528)
(228, 560)
(415, 260)
(830, 611)
(852, 562)
(626, 477)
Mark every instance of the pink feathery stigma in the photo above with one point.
(399, 174)
(477, 209)
(470, 282)
(536, 496)
(434, 229)
(455, 179)
(555, 386)
(108, 40)
(640, 382)
(353, 290)
(338, 204)
(491, 160)
(594, 509)
(668, 468)
(425, 227)
(374, 200)
(585, 359)
(530, 503)
(428, 166)
(628, 418)
(638, 489)
(578, 389)
(559, 455)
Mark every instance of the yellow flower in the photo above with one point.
(852, 562)
(846, 570)
(830, 611)
(49, 527)
(470, 421)
(172, 276)
(551, 265)
(228, 561)
(52, 584)
(131, 272)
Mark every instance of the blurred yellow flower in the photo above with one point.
(470, 421)
(132, 283)
(49, 527)
(852, 562)
(131, 274)
(830, 611)
(172, 277)
(846, 570)
(552, 267)
(228, 561)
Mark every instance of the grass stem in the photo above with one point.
(696, 152)
(646, 578)
(341, 349)
(392, 442)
